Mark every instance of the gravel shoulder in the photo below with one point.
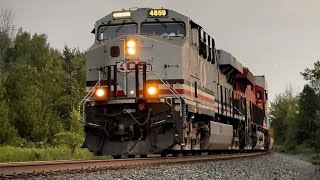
(272, 166)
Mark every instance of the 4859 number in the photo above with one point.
(157, 12)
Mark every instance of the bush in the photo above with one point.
(304, 149)
(279, 148)
(69, 139)
(17, 154)
(316, 160)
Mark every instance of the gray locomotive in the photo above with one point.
(157, 84)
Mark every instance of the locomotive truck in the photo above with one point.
(157, 84)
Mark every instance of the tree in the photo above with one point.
(296, 119)
(74, 81)
(6, 31)
(24, 96)
(35, 87)
(308, 105)
(316, 134)
(283, 117)
(313, 76)
(76, 125)
(8, 134)
(39, 88)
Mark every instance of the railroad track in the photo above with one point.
(27, 169)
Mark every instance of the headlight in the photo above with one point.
(100, 92)
(152, 90)
(131, 44)
(131, 51)
(131, 47)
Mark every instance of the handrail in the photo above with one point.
(172, 90)
(89, 94)
(238, 110)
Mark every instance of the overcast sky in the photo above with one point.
(277, 38)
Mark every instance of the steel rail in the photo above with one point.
(19, 169)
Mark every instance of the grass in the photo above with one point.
(17, 154)
(302, 150)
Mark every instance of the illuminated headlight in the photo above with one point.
(100, 92)
(131, 51)
(131, 47)
(131, 44)
(152, 90)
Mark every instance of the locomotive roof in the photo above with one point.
(261, 81)
(141, 15)
(226, 58)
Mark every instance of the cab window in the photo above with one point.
(114, 30)
(171, 29)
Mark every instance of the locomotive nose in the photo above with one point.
(123, 56)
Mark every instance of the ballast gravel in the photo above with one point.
(273, 166)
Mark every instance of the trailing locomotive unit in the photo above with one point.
(156, 84)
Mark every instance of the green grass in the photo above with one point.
(303, 149)
(297, 149)
(17, 154)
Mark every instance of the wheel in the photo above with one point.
(143, 155)
(163, 155)
(98, 153)
(116, 156)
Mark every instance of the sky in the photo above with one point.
(275, 38)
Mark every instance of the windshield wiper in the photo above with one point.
(121, 25)
(181, 24)
(162, 23)
(104, 26)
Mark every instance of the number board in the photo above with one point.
(158, 13)
(121, 14)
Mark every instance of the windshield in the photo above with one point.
(110, 31)
(172, 29)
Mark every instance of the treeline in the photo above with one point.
(296, 118)
(40, 88)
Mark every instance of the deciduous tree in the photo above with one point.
(283, 114)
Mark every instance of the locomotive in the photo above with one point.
(156, 84)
